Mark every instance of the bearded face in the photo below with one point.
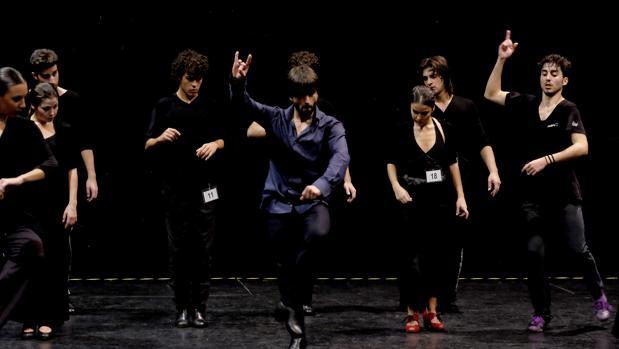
(305, 111)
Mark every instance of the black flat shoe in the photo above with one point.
(198, 320)
(294, 321)
(182, 319)
(27, 332)
(45, 335)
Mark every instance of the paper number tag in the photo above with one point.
(434, 176)
(210, 194)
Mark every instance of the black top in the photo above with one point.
(71, 112)
(22, 149)
(469, 136)
(64, 147)
(557, 182)
(199, 122)
(412, 163)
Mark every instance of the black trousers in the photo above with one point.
(425, 249)
(568, 224)
(294, 238)
(23, 254)
(190, 225)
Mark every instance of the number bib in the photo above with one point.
(434, 176)
(210, 194)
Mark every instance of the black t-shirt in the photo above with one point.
(557, 182)
(469, 136)
(176, 162)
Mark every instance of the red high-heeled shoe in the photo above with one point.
(432, 326)
(412, 323)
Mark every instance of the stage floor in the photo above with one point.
(351, 313)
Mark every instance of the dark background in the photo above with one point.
(120, 64)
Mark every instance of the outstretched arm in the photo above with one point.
(493, 86)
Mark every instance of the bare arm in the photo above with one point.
(207, 150)
(169, 135)
(69, 217)
(31, 176)
(349, 188)
(92, 188)
(401, 194)
(494, 181)
(255, 130)
(579, 147)
(461, 208)
(493, 86)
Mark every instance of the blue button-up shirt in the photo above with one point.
(318, 156)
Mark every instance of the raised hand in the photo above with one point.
(240, 68)
(507, 47)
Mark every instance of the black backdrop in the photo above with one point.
(120, 64)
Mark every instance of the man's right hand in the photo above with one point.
(240, 68)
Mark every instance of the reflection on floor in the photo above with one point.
(351, 313)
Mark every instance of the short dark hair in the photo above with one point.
(9, 76)
(302, 81)
(41, 59)
(560, 61)
(194, 64)
(439, 65)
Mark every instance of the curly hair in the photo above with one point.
(304, 58)
(190, 62)
(42, 58)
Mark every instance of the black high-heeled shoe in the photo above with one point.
(45, 335)
(27, 332)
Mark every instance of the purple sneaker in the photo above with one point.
(537, 324)
(602, 308)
